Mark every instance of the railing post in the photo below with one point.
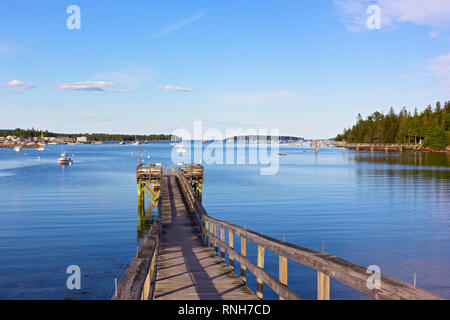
(323, 286)
(243, 253)
(259, 281)
(211, 242)
(283, 272)
(231, 244)
(216, 234)
(222, 237)
(206, 233)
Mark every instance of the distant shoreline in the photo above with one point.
(388, 146)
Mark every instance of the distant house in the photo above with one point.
(82, 140)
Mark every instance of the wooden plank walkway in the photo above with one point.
(188, 270)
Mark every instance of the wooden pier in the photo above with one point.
(183, 256)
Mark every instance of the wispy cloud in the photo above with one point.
(439, 68)
(18, 84)
(101, 86)
(179, 25)
(171, 88)
(259, 98)
(432, 13)
(131, 76)
(10, 49)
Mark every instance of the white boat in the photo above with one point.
(65, 159)
(17, 149)
(121, 143)
(41, 148)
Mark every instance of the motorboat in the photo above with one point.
(17, 149)
(64, 159)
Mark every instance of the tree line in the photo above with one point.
(33, 133)
(431, 127)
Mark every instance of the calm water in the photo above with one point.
(389, 210)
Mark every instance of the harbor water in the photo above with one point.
(389, 210)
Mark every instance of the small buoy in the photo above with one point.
(148, 157)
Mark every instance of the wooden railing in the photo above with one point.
(149, 172)
(327, 266)
(138, 283)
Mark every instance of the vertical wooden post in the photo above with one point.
(323, 286)
(211, 240)
(243, 253)
(283, 272)
(222, 237)
(216, 233)
(231, 244)
(259, 281)
(207, 229)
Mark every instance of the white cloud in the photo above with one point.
(430, 13)
(171, 88)
(259, 98)
(439, 68)
(90, 86)
(179, 24)
(18, 84)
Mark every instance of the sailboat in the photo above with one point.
(42, 145)
(136, 143)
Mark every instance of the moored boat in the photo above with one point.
(64, 159)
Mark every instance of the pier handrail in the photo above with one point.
(326, 265)
(138, 283)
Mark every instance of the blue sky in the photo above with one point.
(306, 67)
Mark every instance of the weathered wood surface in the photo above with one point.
(188, 270)
(344, 271)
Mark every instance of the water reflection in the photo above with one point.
(145, 221)
(410, 159)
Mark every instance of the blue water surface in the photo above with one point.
(390, 210)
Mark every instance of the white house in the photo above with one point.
(82, 140)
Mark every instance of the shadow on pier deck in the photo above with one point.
(188, 270)
(181, 259)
